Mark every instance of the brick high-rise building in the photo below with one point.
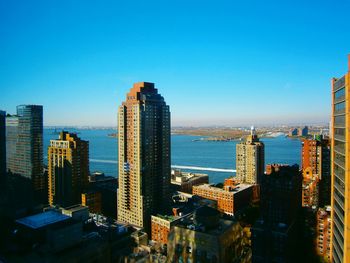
(250, 159)
(316, 172)
(340, 168)
(274, 234)
(24, 144)
(68, 162)
(310, 188)
(144, 155)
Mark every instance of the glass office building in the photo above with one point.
(24, 144)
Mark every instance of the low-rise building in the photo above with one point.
(184, 203)
(58, 231)
(77, 212)
(161, 226)
(184, 181)
(71, 235)
(205, 237)
(229, 199)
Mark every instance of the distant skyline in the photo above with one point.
(215, 63)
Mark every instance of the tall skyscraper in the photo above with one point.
(340, 165)
(24, 144)
(68, 162)
(274, 233)
(250, 159)
(144, 155)
(2, 146)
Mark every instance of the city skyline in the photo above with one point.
(194, 61)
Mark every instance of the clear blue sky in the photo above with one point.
(215, 62)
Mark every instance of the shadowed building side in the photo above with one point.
(274, 234)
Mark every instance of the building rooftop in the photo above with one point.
(187, 222)
(42, 219)
(169, 218)
(75, 208)
(238, 188)
(178, 176)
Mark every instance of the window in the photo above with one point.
(340, 94)
(339, 120)
(339, 106)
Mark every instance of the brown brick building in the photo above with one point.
(230, 199)
(315, 162)
(161, 226)
(144, 155)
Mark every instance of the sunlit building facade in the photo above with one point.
(68, 163)
(340, 168)
(250, 159)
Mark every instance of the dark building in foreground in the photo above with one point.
(24, 145)
(68, 235)
(2, 145)
(106, 187)
(206, 237)
(274, 234)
